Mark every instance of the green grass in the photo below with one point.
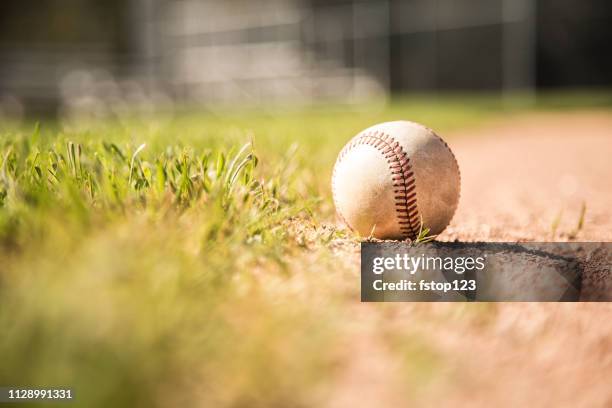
(184, 261)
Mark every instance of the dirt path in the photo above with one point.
(522, 174)
(520, 177)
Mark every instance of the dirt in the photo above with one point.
(523, 175)
(524, 178)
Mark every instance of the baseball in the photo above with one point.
(392, 177)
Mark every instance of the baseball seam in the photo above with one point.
(404, 182)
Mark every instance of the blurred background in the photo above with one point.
(66, 57)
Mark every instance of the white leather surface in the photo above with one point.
(363, 186)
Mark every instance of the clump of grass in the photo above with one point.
(423, 236)
(554, 225)
(573, 233)
(580, 223)
(125, 268)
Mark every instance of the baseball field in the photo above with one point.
(194, 259)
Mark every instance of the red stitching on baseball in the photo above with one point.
(401, 175)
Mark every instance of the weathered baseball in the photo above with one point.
(393, 176)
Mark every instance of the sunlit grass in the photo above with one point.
(134, 275)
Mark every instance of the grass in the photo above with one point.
(134, 274)
(183, 261)
(573, 233)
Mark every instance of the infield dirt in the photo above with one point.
(524, 178)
